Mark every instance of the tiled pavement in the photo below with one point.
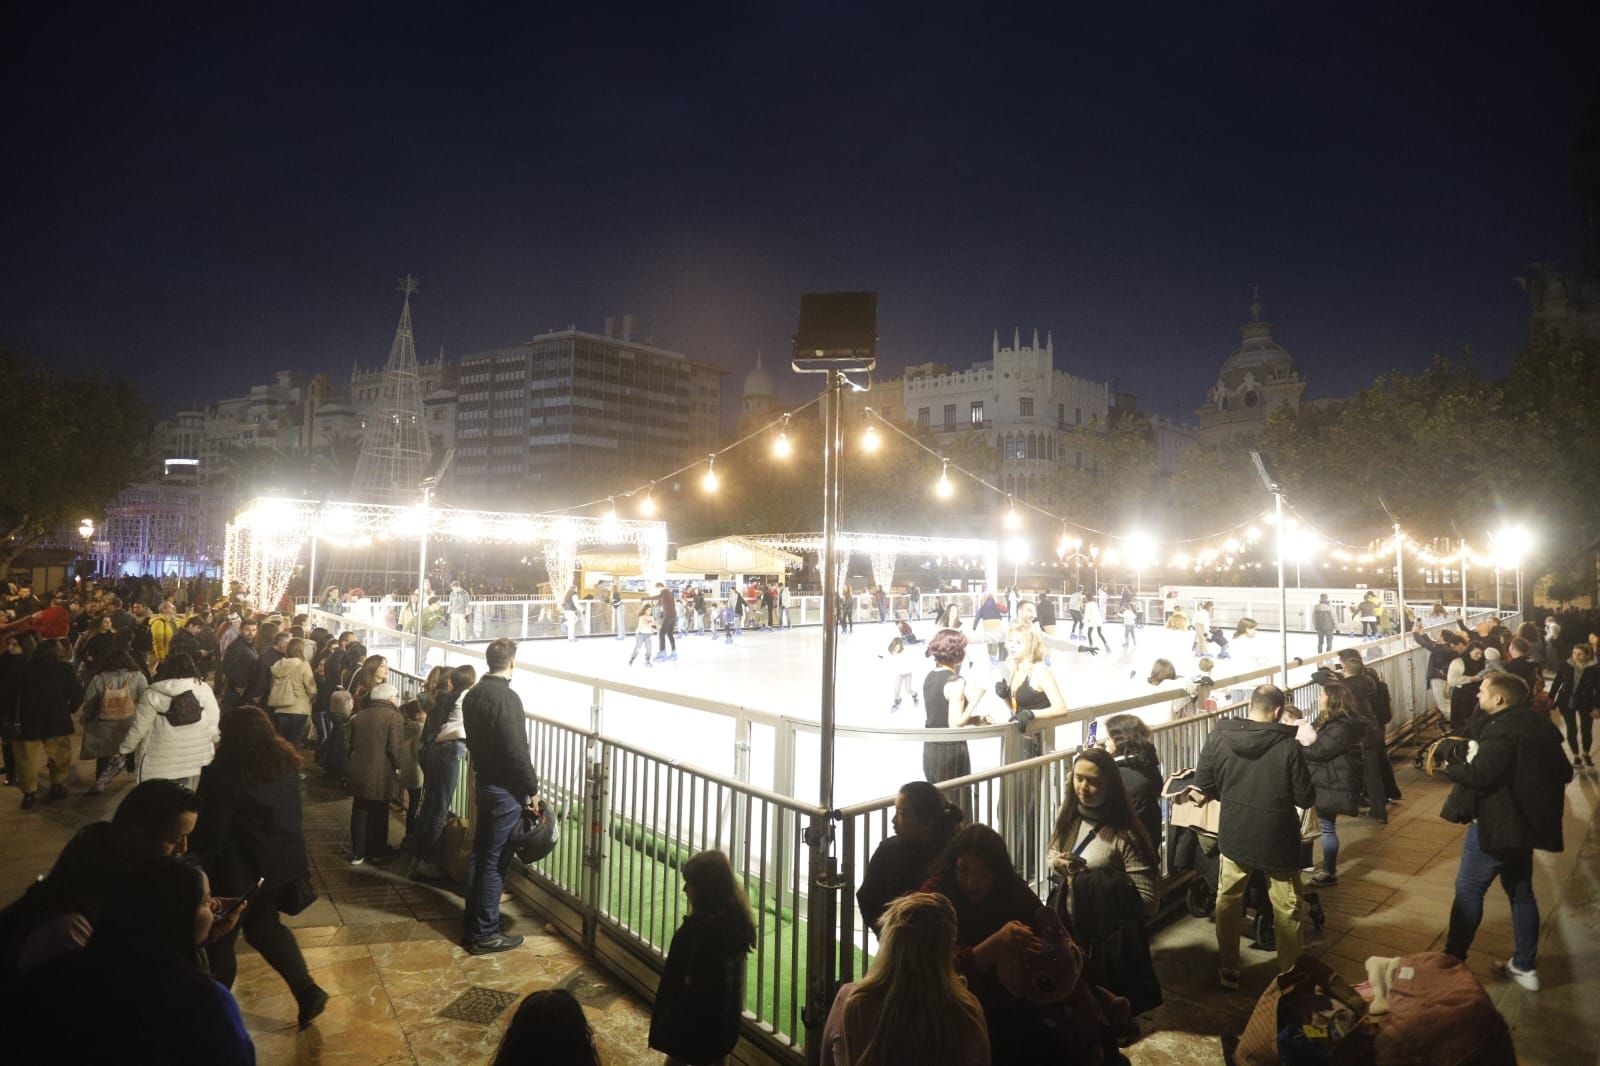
(385, 948)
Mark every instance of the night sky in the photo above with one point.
(196, 204)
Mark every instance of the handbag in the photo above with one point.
(297, 895)
(1308, 1010)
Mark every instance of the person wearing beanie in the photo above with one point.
(376, 738)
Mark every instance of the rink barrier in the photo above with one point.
(632, 817)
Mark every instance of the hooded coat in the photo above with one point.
(1258, 772)
(168, 751)
(293, 688)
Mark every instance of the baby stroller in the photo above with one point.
(1192, 825)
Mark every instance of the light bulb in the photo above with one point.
(869, 439)
(1013, 520)
(944, 488)
(709, 482)
(610, 517)
(647, 506)
(781, 447)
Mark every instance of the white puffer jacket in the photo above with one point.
(173, 752)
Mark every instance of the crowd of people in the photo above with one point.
(219, 712)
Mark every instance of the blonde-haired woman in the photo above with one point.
(911, 1006)
(1027, 684)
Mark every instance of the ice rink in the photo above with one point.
(778, 673)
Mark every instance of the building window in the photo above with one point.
(1061, 413)
(923, 416)
(1027, 407)
(977, 412)
(949, 416)
(1077, 415)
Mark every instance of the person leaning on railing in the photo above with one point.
(923, 823)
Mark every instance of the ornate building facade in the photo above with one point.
(1257, 379)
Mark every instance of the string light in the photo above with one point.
(610, 517)
(869, 439)
(1012, 520)
(647, 506)
(944, 488)
(781, 447)
(710, 482)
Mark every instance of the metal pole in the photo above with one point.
(832, 435)
(1497, 590)
(422, 577)
(1519, 589)
(1283, 598)
(822, 956)
(1400, 577)
(1463, 579)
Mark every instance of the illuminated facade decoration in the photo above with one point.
(1257, 379)
(884, 548)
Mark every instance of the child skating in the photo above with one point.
(900, 668)
(643, 633)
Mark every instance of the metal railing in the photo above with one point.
(632, 816)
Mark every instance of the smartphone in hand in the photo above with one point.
(242, 900)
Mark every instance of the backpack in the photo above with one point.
(184, 709)
(1382, 704)
(116, 703)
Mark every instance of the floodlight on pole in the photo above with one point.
(1275, 487)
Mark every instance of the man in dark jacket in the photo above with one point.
(1254, 766)
(497, 740)
(1377, 771)
(239, 665)
(261, 684)
(1510, 779)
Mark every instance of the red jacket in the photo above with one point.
(52, 623)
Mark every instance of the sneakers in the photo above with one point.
(357, 860)
(895, 707)
(1588, 760)
(493, 944)
(1228, 978)
(28, 800)
(1323, 878)
(1528, 979)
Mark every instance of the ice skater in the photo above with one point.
(730, 615)
(900, 668)
(1094, 622)
(1130, 626)
(643, 634)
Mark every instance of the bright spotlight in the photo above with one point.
(781, 447)
(944, 488)
(647, 506)
(869, 439)
(1012, 519)
(710, 482)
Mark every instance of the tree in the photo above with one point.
(75, 443)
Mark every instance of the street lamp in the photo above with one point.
(1138, 549)
(1511, 546)
(86, 531)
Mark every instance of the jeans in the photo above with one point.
(669, 628)
(1098, 631)
(1285, 892)
(441, 770)
(1130, 636)
(1324, 642)
(641, 642)
(1478, 870)
(263, 931)
(291, 727)
(498, 812)
(1579, 726)
(1330, 841)
(369, 828)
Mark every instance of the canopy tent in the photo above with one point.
(885, 548)
(736, 555)
(264, 541)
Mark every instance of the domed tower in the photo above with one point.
(1258, 378)
(758, 404)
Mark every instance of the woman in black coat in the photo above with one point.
(1334, 760)
(1128, 741)
(700, 999)
(250, 829)
(44, 693)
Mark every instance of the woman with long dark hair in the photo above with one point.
(549, 1029)
(924, 822)
(911, 1006)
(700, 999)
(145, 947)
(1128, 741)
(250, 829)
